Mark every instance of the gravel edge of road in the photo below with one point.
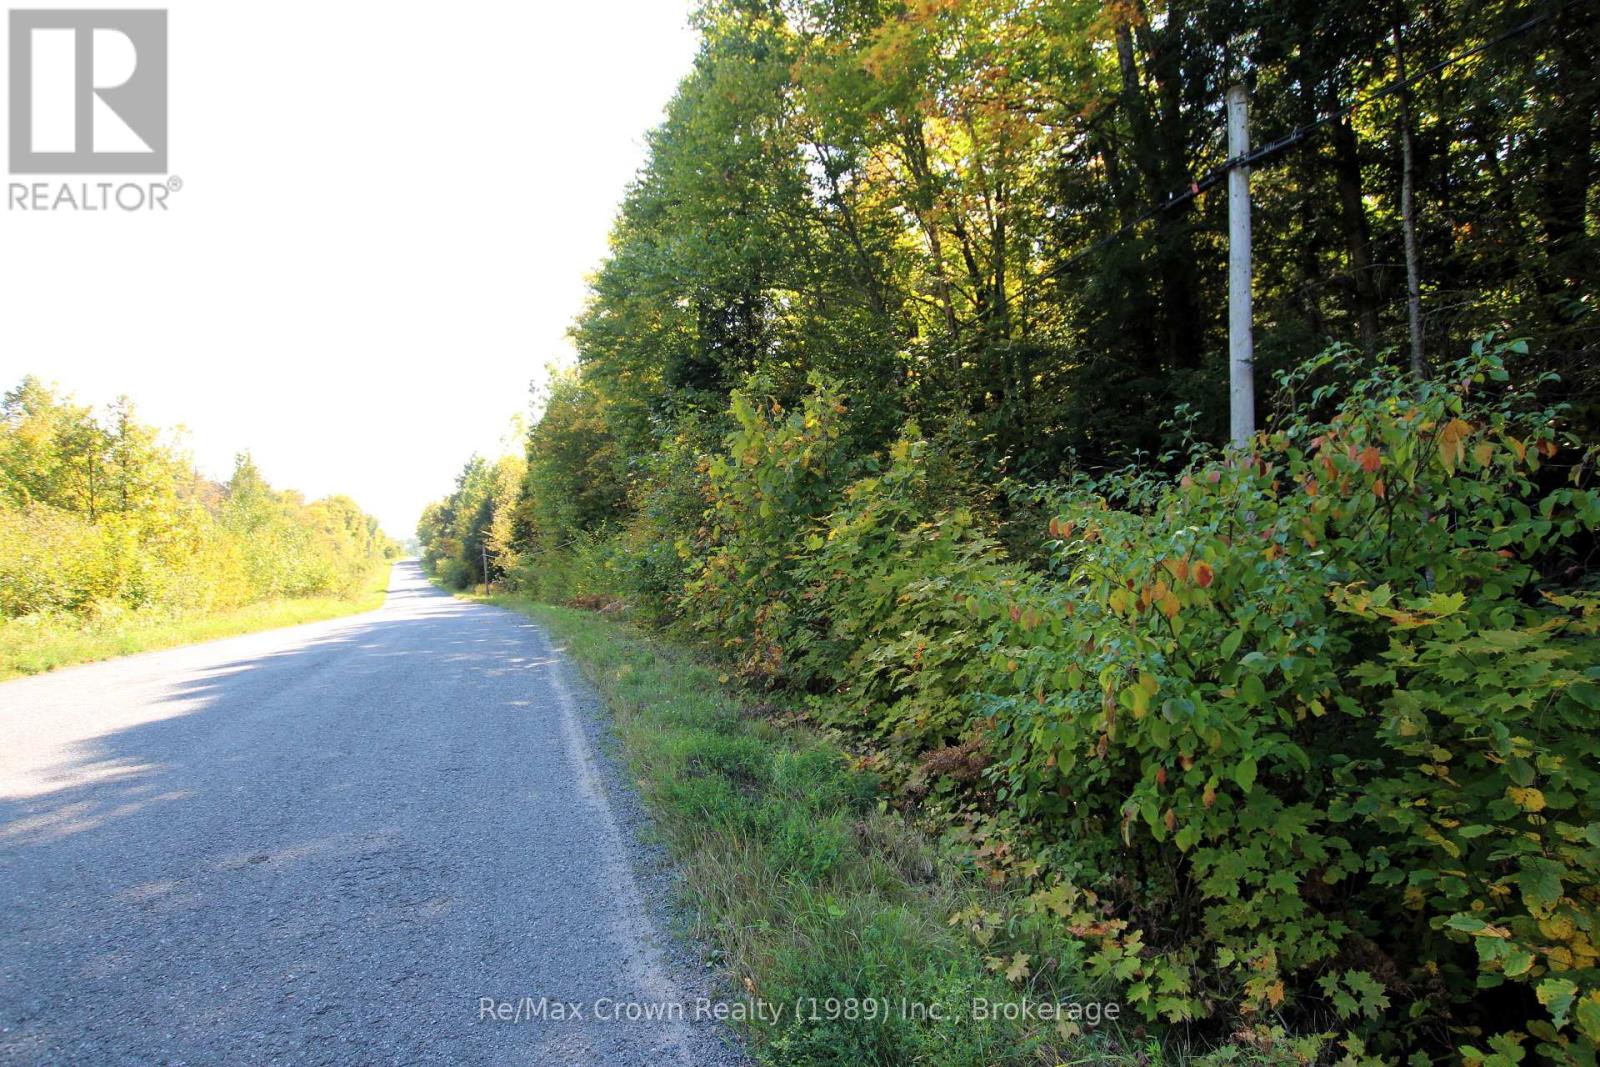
(654, 871)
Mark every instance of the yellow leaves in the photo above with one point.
(1142, 692)
(1166, 600)
(1528, 799)
(1059, 899)
(1557, 928)
(1450, 848)
(920, 11)
(1452, 443)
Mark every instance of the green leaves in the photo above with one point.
(1540, 882)
(1557, 994)
(1397, 686)
(1244, 772)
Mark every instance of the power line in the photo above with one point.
(1300, 133)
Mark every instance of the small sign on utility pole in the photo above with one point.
(1241, 343)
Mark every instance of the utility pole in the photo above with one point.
(1241, 341)
(483, 546)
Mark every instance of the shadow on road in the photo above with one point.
(324, 852)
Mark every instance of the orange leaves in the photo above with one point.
(1204, 575)
(1061, 529)
(1452, 443)
(1370, 459)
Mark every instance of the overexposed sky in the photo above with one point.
(387, 216)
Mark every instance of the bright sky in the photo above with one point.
(387, 216)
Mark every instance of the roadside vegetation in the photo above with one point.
(39, 643)
(902, 396)
(111, 542)
(819, 898)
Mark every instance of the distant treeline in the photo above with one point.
(98, 512)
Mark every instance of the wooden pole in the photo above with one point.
(1241, 341)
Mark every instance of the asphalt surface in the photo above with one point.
(382, 839)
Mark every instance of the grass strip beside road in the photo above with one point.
(36, 644)
(814, 893)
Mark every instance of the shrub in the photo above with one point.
(882, 598)
(1322, 721)
(764, 498)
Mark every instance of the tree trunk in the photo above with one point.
(1408, 214)
(1353, 216)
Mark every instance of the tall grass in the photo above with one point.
(810, 889)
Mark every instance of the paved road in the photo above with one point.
(328, 844)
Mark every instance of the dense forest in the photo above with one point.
(904, 391)
(102, 515)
